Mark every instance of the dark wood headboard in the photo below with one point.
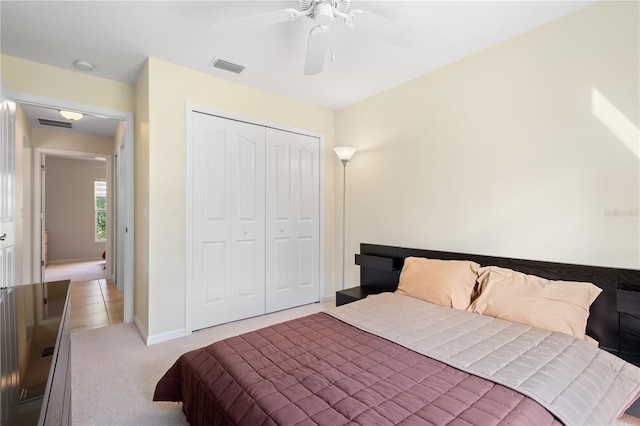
(614, 319)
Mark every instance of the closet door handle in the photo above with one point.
(3, 237)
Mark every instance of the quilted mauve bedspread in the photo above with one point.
(320, 370)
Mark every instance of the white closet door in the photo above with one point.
(228, 238)
(293, 220)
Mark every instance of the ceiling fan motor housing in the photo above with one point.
(323, 14)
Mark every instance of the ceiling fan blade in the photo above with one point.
(248, 23)
(386, 29)
(316, 50)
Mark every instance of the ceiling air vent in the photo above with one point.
(227, 66)
(54, 123)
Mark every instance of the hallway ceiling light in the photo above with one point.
(70, 115)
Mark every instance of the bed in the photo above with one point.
(398, 358)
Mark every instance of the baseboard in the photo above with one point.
(328, 298)
(85, 259)
(141, 328)
(165, 337)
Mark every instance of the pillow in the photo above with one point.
(443, 282)
(552, 305)
(591, 341)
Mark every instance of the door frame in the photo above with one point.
(189, 110)
(119, 183)
(9, 256)
(128, 141)
(39, 166)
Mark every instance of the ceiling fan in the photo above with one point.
(324, 12)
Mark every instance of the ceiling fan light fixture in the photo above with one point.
(323, 13)
(71, 115)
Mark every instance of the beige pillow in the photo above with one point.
(552, 305)
(591, 341)
(443, 282)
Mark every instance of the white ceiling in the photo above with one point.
(117, 37)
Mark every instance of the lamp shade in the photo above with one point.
(345, 152)
(70, 115)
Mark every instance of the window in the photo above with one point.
(100, 207)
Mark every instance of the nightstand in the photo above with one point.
(352, 294)
(377, 266)
(629, 313)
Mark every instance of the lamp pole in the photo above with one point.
(344, 217)
(344, 153)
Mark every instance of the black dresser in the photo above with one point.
(35, 380)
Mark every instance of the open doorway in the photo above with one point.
(49, 143)
(77, 203)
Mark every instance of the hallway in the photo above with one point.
(95, 302)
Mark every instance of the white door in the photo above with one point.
(228, 220)
(7, 184)
(293, 220)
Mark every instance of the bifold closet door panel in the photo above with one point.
(228, 220)
(292, 220)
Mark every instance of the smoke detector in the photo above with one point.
(84, 65)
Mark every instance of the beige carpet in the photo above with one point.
(75, 271)
(113, 373)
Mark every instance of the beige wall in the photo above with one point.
(23, 141)
(159, 267)
(22, 215)
(38, 79)
(141, 191)
(509, 152)
(70, 210)
(170, 88)
(32, 78)
(62, 141)
(70, 141)
(518, 150)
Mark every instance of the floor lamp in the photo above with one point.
(344, 154)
